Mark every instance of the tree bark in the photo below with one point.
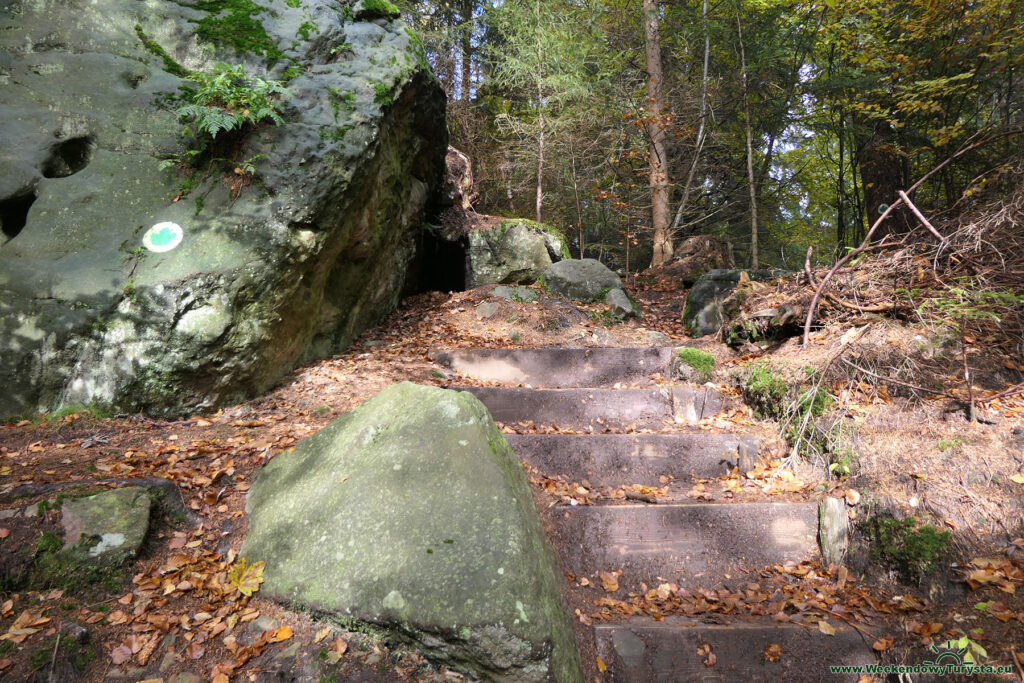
(751, 181)
(656, 134)
(882, 177)
(540, 120)
(466, 38)
(701, 127)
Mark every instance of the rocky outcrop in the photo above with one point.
(515, 251)
(705, 311)
(412, 514)
(259, 270)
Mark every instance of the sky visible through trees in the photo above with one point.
(779, 124)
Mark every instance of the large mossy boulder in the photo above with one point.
(411, 515)
(581, 279)
(512, 252)
(704, 312)
(280, 265)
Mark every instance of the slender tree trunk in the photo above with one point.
(751, 181)
(701, 127)
(540, 120)
(656, 133)
(466, 38)
(576, 195)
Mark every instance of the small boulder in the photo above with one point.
(704, 312)
(412, 514)
(698, 255)
(521, 294)
(512, 252)
(110, 526)
(580, 279)
(620, 305)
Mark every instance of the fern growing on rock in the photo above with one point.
(229, 99)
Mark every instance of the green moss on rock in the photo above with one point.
(233, 23)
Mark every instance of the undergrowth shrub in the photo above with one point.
(910, 548)
(764, 390)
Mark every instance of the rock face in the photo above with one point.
(312, 251)
(697, 255)
(704, 312)
(515, 251)
(581, 279)
(112, 524)
(412, 514)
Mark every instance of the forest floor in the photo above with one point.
(904, 456)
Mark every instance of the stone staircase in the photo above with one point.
(694, 544)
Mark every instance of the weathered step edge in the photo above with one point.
(642, 650)
(560, 367)
(620, 459)
(619, 408)
(693, 545)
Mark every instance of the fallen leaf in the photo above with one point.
(609, 581)
(321, 634)
(246, 578)
(120, 654)
(283, 633)
(773, 652)
(882, 644)
(852, 497)
(601, 666)
(826, 628)
(4, 533)
(1017, 478)
(4, 663)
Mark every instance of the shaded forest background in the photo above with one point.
(791, 122)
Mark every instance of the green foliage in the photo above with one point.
(703, 363)
(966, 302)
(49, 542)
(227, 100)
(382, 94)
(382, 7)
(764, 389)
(911, 549)
(307, 28)
(232, 23)
(947, 445)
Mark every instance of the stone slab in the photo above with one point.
(693, 545)
(560, 367)
(618, 459)
(599, 408)
(642, 650)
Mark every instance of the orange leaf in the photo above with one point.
(120, 654)
(772, 652)
(601, 666)
(609, 581)
(283, 633)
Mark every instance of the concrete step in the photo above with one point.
(580, 408)
(620, 459)
(694, 545)
(642, 650)
(560, 367)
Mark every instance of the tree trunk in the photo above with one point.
(467, 48)
(540, 120)
(751, 181)
(656, 134)
(881, 177)
(701, 128)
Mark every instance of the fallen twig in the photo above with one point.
(920, 216)
(915, 387)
